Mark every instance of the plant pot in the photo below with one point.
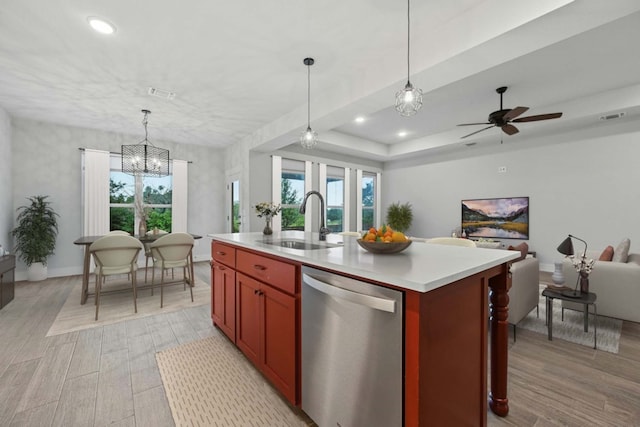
(36, 272)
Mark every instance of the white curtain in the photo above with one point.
(179, 199)
(96, 193)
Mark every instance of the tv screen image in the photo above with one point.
(499, 218)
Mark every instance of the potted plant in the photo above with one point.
(399, 216)
(36, 236)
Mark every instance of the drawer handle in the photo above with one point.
(221, 253)
(259, 267)
(258, 292)
(220, 267)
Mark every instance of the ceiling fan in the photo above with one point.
(503, 118)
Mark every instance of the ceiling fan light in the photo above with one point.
(308, 138)
(408, 100)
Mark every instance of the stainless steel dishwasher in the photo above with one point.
(352, 370)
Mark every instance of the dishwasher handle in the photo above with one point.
(377, 303)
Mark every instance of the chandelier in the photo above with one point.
(308, 138)
(144, 158)
(409, 99)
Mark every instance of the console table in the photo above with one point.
(7, 278)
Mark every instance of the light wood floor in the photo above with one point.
(108, 374)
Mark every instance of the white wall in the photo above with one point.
(586, 187)
(46, 161)
(6, 182)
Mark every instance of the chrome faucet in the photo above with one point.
(303, 207)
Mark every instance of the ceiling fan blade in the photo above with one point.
(514, 113)
(478, 131)
(538, 117)
(510, 129)
(474, 124)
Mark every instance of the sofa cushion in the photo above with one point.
(523, 248)
(621, 253)
(607, 254)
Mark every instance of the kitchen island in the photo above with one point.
(445, 290)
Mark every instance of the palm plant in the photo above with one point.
(36, 231)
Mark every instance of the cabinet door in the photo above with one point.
(248, 312)
(279, 348)
(223, 299)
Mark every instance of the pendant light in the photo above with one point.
(308, 138)
(144, 158)
(409, 99)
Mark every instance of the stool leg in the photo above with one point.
(135, 292)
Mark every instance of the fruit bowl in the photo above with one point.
(384, 248)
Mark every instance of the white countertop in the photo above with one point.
(421, 267)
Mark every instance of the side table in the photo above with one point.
(585, 298)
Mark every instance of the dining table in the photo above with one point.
(86, 241)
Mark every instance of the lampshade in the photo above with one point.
(566, 247)
(144, 158)
(308, 138)
(409, 99)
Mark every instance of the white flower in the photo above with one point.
(267, 209)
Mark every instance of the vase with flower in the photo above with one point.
(583, 266)
(267, 210)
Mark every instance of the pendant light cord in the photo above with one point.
(144, 122)
(408, 38)
(308, 96)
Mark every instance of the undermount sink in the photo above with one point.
(298, 244)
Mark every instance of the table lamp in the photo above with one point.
(566, 248)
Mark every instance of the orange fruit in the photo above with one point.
(398, 236)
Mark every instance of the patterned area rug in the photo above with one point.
(210, 383)
(117, 307)
(572, 328)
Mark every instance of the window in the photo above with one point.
(368, 200)
(292, 194)
(335, 199)
(155, 194)
(235, 206)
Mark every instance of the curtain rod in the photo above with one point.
(119, 154)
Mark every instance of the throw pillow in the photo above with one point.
(523, 248)
(621, 253)
(607, 254)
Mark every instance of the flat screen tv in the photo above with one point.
(498, 218)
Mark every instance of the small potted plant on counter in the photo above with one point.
(36, 235)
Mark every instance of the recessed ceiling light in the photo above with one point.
(101, 26)
(359, 119)
(402, 133)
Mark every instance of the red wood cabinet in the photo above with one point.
(223, 299)
(266, 332)
(223, 288)
(255, 301)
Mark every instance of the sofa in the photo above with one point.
(617, 285)
(524, 294)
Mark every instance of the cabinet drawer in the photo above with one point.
(223, 253)
(276, 273)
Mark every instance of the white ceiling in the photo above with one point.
(236, 68)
